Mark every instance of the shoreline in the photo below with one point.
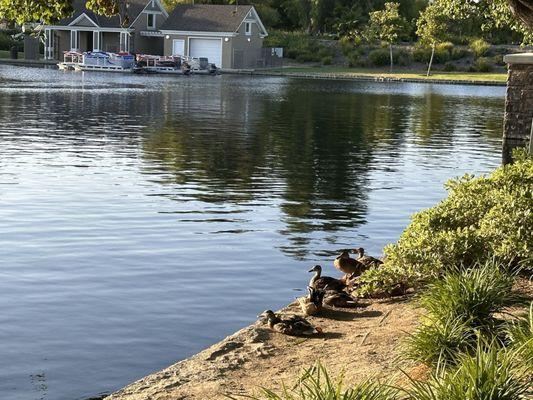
(344, 76)
(361, 342)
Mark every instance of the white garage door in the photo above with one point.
(208, 48)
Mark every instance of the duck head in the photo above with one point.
(344, 254)
(359, 251)
(316, 268)
(267, 315)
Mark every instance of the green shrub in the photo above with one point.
(457, 53)
(439, 341)
(421, 54)
(482, 64)
(298, 45)
(449, 67)
(6, 42)
(379, 57)
(327, 60)
(479, 47)
(316, 384)
(353, 59)
(482, 218)
(402, 57)
(473, 295)
(520, 334)
(489, 374)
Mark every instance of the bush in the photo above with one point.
(473, 295)
(482, 64)
(299, 46)
(520, 335)
(481, 219)
(490, 374)
(327, 60)
(6, 42)
(479, 47)
(316, 384)
(421, 54)
(379, 57)
(460, 306)
(449, 67)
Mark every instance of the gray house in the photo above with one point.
(229, 36)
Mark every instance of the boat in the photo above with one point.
(70, 59)
(175, 64)
(148, 64)
(106, 62)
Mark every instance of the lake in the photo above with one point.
(143, 219)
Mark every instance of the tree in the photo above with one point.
(432, 28)
(388, 25)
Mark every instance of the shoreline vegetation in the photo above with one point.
(449, 315)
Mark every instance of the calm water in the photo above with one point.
(144, 218)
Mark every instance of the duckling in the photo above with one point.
(320, 282)
(312, 303)
(293, 325)
(348, 265)
(368, 261)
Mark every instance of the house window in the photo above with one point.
(151, 21)
(74, 40)
(248, 28)
(96, 41)
(124, 42)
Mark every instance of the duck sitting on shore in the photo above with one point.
(320, 282)
(293, 325)
(334, 298)
(312, 303)
(349, 266)
(366, 260)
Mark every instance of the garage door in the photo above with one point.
(208, 48)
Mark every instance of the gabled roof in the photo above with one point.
(206, 18)
(134, 9)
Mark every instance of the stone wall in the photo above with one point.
(518, 103)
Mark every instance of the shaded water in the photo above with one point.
(144, 218)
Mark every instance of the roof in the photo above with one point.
(134, 9)
(206, 18)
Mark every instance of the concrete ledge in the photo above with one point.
(521, 58)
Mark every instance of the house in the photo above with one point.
(88, 31)
(230, 36)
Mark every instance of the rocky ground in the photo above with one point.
(362, 342)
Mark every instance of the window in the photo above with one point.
(124, 42)
(248, 28)
(151, 21)
(74, 40)
(96, 41)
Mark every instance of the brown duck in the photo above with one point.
(348, 265)
(333, 298)
(312, 303)
(320, 282)
(368, 261)
(293, 325)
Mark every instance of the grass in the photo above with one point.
(316, 384)
(491, 373)
(405, 74)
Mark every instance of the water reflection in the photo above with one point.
(133, 209)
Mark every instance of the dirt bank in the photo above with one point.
(362, 341)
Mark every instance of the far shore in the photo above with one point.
(345, 73)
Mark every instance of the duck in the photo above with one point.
(320, 282)
(312, 303)
(293, 325)
(348, 265)
(333, 298)
(368, 261)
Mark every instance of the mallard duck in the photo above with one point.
(293, 325)
(320, 282)
(368, 261)
(312, 303)
(348, 265)
(334, 298)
